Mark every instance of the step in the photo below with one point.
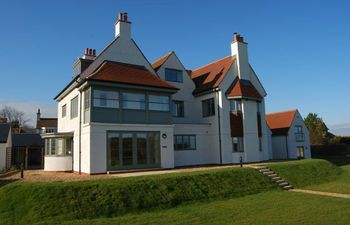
(260, 167)
(283, 184)
(288, 187)
(276, 178)
(272, 175)
(279, 181)
(264, 170)
(269, 172)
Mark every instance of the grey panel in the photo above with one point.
(159, 117)
(105, 115)
(134, 116)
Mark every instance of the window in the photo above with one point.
(158, 103)
(299, 135)
(74, 107)
(177, 109)
(300, 152)
(237, 143)
(58, 146)
(258, 107)
(208, 107)
(185, 142)
(173, 75)
(64, 110)
(133, 101)
(236, 105)
(106, 99)
(87, 99)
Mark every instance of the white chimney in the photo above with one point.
(123, 26)
(89, 54)
(240, 49)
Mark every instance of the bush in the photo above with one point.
(25, 203)
(306, 172)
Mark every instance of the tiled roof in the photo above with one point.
(4, 132)
(243, 89)
(211, 75)
(159, 62)
(128, 74)
(46, 122)
(280, 122)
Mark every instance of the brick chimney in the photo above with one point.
(123, 26)
(89, 53)
(239, 48)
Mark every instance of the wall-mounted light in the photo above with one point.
(164, 136)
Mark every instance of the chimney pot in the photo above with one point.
(120, 17)
(86, 51)
(94, 52)
(90, 51)
(125, 17)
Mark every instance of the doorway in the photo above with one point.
(133, 150)
(300, 152)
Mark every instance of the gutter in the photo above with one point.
(219, 125)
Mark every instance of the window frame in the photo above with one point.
(134, 93)
(174, 106)
(240, 144)
(74, 110)
(211, 111)
(177, 75)
(97, 104)
(149, 103)
(64, 111)
(238, 105)
(182, 148)
(299, 133)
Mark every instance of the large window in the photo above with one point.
(173, 75)
(185, 142)
(74, 107)
(237, 143)
(64, 110)
(58, 146)
(208, 107)
(177, 109)
(158, 103)
(106, 99)
(87, 99)
(133, 101)
(299, 135)
(236, 105)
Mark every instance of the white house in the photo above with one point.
(290, 136)
(5, 144)
(121, 112)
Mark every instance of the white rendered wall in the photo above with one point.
(203, 154)
(98, 139)
(58, 163)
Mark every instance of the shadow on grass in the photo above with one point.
(339, 160)
(4, 182)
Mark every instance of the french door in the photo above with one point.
(132, 150)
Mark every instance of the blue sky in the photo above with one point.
(299, 49)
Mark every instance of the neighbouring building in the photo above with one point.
(5, 144)
(45, 125)
(290, 136)
(122, 112)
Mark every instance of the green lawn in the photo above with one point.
(342, 183)
(275, 207)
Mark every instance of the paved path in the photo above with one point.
(337, 195)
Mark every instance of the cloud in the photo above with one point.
(30, 109)
(341, 129)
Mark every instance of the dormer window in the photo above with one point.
(173, 75)
(236, 105)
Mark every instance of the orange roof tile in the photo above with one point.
(128, 74)
(46, 122)
(243, 89)
(211, 75)
(280, 122)
(159, 62)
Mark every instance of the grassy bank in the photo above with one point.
(301, 173)
(283, 208)
(25, 203)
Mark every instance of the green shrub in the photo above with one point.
(24, 203)
(306, 172)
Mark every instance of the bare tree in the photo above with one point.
(13, 116)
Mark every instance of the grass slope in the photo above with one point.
(301, 173)
(25, 203)
(342, 183)
(283, 208)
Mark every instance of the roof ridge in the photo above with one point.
(161, 60)
(292, 110)
(208, 64)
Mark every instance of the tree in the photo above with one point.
(317, 129)
(13, 116)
